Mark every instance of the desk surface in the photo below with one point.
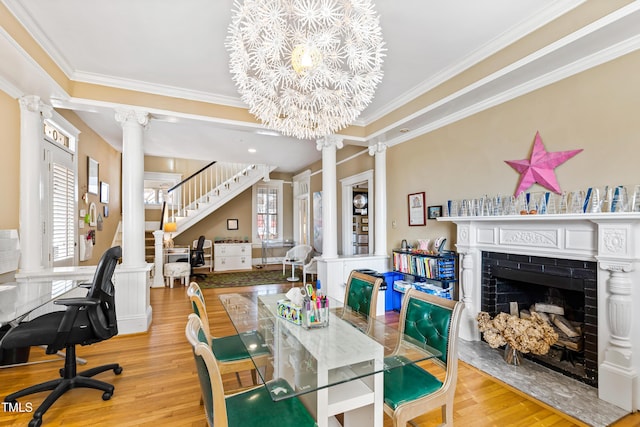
(20, 299)
(313, 359)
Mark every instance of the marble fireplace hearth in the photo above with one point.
(611, 240)
(569, 396)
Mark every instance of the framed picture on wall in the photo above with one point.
(92, 176)
(434, 212)
(417, 212)
(104, 192)
(232, 224)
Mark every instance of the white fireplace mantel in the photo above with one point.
(610, 239)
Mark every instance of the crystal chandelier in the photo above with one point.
(305, 68)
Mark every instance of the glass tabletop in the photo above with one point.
(18, 299)
(292, 360)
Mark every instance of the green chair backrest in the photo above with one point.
(359, 297)
(205, 386)
(428, 323)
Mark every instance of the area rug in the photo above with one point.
(241, 278)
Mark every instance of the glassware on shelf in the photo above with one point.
(619, 199)
(522, 207)
(634, 202)
(575, 202)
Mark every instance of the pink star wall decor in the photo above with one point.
(539, 168)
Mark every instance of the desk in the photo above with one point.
(177, 253)
(333, 370)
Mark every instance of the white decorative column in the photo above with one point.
(328, 146)
(469, 282)
(380, 192)
(133, 125)
(158, 276)
(132, 278)
(31, 135)
(617, 376)
(468, 329)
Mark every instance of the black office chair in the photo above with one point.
(197, 257)
(86, 320)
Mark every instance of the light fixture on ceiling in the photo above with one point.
(252, 150)
(305, 68)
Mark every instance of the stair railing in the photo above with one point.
(200, 187)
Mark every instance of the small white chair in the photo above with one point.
(297, 255)
(177, 270)
(309, 268)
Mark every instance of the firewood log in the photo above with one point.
(565, 326)
(549, 308)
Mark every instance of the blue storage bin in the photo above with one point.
(391, 301)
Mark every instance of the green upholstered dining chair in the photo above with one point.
(361, 299)
(410, 390)
(252, 407)
(230, 351)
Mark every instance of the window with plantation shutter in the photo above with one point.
(63, 218)
(268, 210)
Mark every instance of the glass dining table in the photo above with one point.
(25, 300)
(20, 299)
(335, 369)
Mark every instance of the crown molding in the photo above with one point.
(517, 32)
(157, 89)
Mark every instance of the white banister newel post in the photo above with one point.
(379, 150)
(158, 273)
(133, 125)
(328, 146)
(31, 135)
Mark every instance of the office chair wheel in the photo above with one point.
(35, 422)
(117, 370)
(106, 395)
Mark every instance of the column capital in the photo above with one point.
(124, 116)
(378, 148)
(33, 104)
(329, 141)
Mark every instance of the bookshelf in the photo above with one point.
(430, 271)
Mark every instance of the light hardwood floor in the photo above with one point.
(159, 386)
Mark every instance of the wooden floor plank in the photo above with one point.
(159, 385)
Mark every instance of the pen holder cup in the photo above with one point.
(314, 316)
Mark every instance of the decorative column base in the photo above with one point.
(133, 306)
(617, 385)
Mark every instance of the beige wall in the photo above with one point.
(10, 162)
(184, 167)
(110, 172)
(596, 110)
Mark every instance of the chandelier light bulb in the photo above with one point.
(305, 58)
(305, 68)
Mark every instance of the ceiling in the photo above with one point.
(176, 48)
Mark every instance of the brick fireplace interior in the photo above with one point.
(570, 284)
